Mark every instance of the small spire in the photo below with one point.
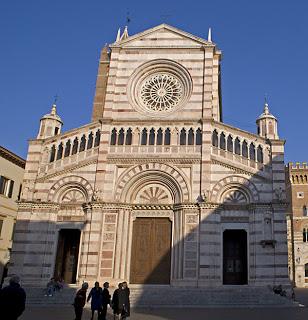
(54, 106)
(266, 108)
(209, 35)
(53, 110)
(118, 35)
(125, 34)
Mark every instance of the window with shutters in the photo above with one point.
(6, 186)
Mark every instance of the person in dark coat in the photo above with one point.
(105, 300)
(96, 300)
(80, 300)
(12, 300)
(115, 302)
(124, 304)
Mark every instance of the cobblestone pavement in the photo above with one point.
(66, 313)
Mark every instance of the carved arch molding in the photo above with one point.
(71, 189)
(157, 182)
(235, 189)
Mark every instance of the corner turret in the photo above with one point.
(267, 124)
(51, 124)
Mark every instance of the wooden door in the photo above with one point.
(235, 257)
(151, 251)
(67, 255)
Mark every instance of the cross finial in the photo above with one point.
(55, 99)
(128, 19)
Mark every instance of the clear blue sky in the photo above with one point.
(52, 47)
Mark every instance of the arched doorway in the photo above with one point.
(152, 189)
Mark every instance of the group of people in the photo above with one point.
(13, 299)
(100, 299)
(53, 285)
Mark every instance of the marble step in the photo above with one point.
(171, 296)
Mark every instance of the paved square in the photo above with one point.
(66, 313)
(57, 312)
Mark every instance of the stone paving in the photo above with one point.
(66, 313)
(278, 313)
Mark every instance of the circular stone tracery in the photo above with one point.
(159, 87)
(161, 92)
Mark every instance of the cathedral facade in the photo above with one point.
(156, 189)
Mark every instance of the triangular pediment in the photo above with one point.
(162, 36)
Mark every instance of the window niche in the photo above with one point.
(268, 231)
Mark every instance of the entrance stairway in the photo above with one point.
(166, 296)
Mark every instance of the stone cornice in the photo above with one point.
(37, 205)
(136, 160)
(251, 135)
(72, 132)
(238, 170)
(179, 206)
(12, 157)
(68, 169)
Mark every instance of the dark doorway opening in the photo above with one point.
(67, 255)
(151, 251)
(235, 257)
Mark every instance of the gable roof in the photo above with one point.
(185, 35)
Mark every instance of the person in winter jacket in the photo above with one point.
(80, 300)
(115, 302)
(96, 299)
(12, 299)
(106, 300)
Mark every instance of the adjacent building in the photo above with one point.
(297, 192)
(11, 176)
(156, 188)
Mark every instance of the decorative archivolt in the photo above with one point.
(135, 184)
(70, 189)
(235, 190)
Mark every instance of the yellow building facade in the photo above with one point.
(11, 175)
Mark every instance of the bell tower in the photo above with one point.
(51, 124)
(267, 124)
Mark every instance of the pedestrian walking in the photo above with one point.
(12, 300)
(105, 300)
(124, 303)
(95, 295)
(80, 300)
(115, 302)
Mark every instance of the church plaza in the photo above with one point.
(64, 313)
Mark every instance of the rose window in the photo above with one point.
(159, 88)
(161, 92)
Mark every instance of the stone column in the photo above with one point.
(178, 246)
